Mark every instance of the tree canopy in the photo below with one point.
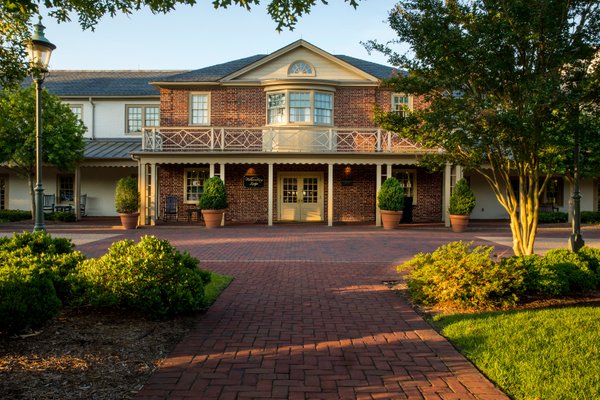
(15, 17)
(63, 143)
(507, 84)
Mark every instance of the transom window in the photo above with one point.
(194, 184)
(141, 116)
(401, 104)
(301, 68)
(199, 109)
(408, 181)
(300, 107)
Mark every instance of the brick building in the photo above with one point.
(299, 124)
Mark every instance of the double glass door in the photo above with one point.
(301, 197)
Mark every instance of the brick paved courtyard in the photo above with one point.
(307, 316)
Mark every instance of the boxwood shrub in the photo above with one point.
(590, 217)
(545, 217)
(14, 215)
(152, 276)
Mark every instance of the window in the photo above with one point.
(408, 181)
(554, 192)
(305, 107)
(77, 109)
(276, 108)
(323, 108)
(194, 184)
(140, 116)
(401, 104)
(299, 107)
(199, 109)
(65, 188)
(301, 68)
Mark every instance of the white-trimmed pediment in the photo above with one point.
(324, 66)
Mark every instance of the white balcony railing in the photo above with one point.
(300, 140)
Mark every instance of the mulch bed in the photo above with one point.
(87, 354)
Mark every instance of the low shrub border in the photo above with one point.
(545, 217)
(463, 276)
(14, 215)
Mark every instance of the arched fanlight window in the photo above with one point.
(301, 68)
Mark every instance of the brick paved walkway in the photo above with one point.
(307, 317)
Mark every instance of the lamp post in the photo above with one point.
(39, 50)
(576, 241)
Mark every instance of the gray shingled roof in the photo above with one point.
(66, 83)
(216, 72)
(112, 148)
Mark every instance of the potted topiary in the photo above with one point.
(213, 202)
(462, 203)
(390, 200)
(127, 202)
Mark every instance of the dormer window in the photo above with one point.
(301, 68)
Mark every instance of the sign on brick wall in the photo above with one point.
(254, 181)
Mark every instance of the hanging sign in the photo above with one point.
(254, 181)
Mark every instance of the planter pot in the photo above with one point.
(391, 219)
(459, 222)
(129, 221)
(212, 218)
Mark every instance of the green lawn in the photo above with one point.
(217, 284)
(533, 354)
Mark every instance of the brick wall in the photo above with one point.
(355, 203)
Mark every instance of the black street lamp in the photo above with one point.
(576, 241)
(39, 50)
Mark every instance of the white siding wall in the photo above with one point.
(109, 121)
(99, 184)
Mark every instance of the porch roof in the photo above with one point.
(112, 149)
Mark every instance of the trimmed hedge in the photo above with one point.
(590, 217)
(467, 277)
(61, 216)
(151, 275)
(14, 215)
(545, 217)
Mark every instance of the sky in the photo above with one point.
(200, 36)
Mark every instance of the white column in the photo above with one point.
(222, 176)
(330, 195)
(377, 187)
(211, 170)
(77, 196)
(459, 172)
(447, 185)
(142, 190)
(154, 193)
(270, 194)
(388, 171)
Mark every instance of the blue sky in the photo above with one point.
(199, 36)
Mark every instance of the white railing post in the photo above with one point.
(389, 140)
(153, 139)
(212, 138)
(330, 139)
(378, 140)
(222, 138)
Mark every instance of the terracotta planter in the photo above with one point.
(129, 221)
(459, 222)
(212, 218)
(391, 219)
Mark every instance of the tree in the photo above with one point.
(16, 14)
(507, 84)
(62, 134)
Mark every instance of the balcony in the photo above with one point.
(276, 139)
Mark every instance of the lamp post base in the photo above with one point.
(576, 242)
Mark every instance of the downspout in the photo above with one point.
(92, 130)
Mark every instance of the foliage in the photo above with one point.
(27, 295)
(578, 275)
(60, 216)
(151, 275)
(391, 195)
(63, 143)
(15, 17)
(127, 196)
(14, 215)
(462, 276)
(590, 217)
(548, 354)
(508, 86)
(462, 200)
(546, 217)
(215, 287)
(214, 196)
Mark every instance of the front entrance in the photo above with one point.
(300, 196)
